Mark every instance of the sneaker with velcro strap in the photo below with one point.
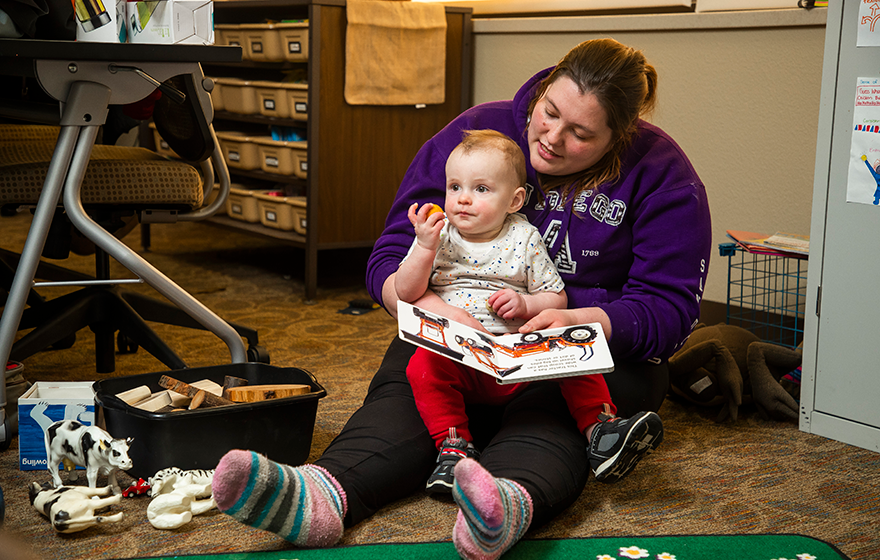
(618, 444)
(452, 450)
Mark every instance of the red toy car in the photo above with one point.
(136, 489)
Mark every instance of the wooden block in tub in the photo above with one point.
(253, 393)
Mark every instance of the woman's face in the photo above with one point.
(568, 131)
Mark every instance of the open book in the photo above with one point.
(509, 358)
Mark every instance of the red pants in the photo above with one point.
(442, 387)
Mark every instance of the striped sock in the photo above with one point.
(304, 505)
(493, 514)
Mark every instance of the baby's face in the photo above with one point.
(481, 190)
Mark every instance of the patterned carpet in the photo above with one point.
(750, 477)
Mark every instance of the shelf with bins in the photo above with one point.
(355, 156)
(261, 112)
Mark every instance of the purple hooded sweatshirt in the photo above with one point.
(638, 247)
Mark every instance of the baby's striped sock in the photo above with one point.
(304, 505)
(494, 513)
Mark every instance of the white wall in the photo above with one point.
(738, 91)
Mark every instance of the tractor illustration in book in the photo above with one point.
(581, 336)
(432, 334)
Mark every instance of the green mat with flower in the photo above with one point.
(701, 547)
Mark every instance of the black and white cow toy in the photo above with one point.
(72, 508)
(73, 443)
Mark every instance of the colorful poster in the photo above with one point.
(863, 185)
(869, 23)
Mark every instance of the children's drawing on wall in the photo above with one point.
(863, 184)
(869, 23)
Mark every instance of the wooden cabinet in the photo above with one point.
(357, 155)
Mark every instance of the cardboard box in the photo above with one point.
(171, 22)
(44, 404)
(101, 21)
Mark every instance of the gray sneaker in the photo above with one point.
(452, 450)
(618, 444)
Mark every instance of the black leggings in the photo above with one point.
(384, 452)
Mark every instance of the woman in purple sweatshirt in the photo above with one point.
(626, 220)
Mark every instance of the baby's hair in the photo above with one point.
(487, 139)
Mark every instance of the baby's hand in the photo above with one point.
(507, 304)
(428, 223)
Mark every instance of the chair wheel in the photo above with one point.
(257, 353)
(125, 344)
(65, 343)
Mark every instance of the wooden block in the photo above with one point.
(253, 393)
(197, 400)
(230, 381)
(135, 395)
(185, 389)
(155, 402)
(209, 386)
(178, 400)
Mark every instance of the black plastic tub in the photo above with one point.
(281, 429)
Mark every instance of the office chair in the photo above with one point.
(119, 183)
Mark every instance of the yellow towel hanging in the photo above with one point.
(395, 53)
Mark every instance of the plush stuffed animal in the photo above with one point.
(729, 365)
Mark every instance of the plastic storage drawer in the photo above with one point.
(238, 96)
(283, 158)
(283, 212)
(217, 96)
(241, 205)
(239, 150)
(282, 100)
(267, 42)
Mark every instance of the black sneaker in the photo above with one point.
(619, 443)
(452, 450)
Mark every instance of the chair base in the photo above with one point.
(106, 310)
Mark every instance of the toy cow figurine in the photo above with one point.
(73, 443)
(72, 508)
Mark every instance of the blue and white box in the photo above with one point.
(41, 406)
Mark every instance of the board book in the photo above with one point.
(509, 358)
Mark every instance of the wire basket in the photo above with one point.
(766, 294)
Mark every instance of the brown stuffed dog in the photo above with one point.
(729, 365)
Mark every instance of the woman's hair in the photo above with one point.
(488, 139)
(624, 84)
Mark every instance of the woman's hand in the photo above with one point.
(552, 318)
(461, 316)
